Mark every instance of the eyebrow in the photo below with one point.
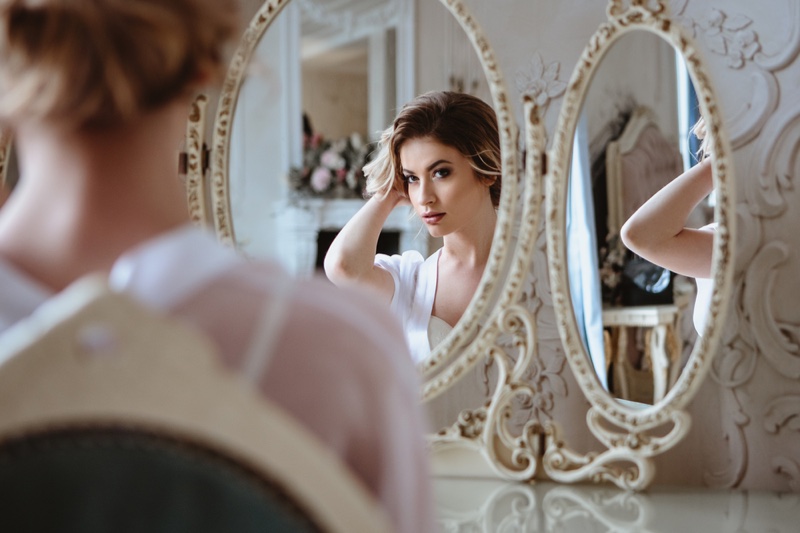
(431, 166)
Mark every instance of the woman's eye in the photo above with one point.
(410, 179)
(441, 172)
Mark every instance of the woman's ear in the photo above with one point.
(488, 181)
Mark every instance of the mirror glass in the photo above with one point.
(320, 85)
(633, 137)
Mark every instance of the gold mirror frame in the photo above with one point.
(466, 345)
(628, 434)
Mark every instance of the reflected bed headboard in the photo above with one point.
(638, 164)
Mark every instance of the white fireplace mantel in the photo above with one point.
(302, 219)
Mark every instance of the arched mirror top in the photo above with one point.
(458, 352)
(626, 19)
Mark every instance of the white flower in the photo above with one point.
(747, 42)
(332, 159)
(321, 179)
(539, 82)
(356, 141)
(351, 179)
(730, 36)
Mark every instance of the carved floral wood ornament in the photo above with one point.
(500, 325)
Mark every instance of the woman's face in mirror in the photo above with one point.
(443, 188)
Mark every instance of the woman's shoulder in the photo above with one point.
(405, 264)
(401, 260)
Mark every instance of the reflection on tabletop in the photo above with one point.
(484, 505)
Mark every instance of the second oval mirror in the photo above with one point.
(637, 314)
(638, 238)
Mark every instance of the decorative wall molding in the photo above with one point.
(347, 21)
(757, 335)
(739, 40)
(767, 195)
(511, 445)
(730, 36)
(540, 82)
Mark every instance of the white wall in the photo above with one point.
(336, 102)
(259, 151)
(652, 83)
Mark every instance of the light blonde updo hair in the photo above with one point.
(95, 63)
(699, 131)
(459, 120)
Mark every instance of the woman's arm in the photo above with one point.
(350, 258)
(657, 232)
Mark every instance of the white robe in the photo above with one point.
(415, 281)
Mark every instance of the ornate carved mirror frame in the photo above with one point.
(632, 437)
(492, 313)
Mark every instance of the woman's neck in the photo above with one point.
(85, 197)
(471, 246)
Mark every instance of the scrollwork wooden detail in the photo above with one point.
(754, 55)
(512, 453)
(195, 141)
(627, 461)
(321, 12)
(624, 12)
(783, 414)
(486, 430)
(442, 369)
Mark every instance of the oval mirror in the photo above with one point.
(640, 326)
(342, 70)
(633, 138)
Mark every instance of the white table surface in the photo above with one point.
(473, 506)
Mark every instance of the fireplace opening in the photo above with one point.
(388, 243)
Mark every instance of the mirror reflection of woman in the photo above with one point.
(657, 230)
(441, 156)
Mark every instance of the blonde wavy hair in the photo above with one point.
(706, 144)
(86, 63)
(459, 120)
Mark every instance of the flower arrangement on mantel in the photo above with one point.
(612, 257)
(332, 168)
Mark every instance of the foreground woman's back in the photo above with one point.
(96, 93)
